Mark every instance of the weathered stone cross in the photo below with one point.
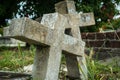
(76, 20)
(56, 34)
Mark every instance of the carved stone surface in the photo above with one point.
(75, 20)
(68, 8)
(65, 7)
(35, 33)
(56, 33)
(53, 40)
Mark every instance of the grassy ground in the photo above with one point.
(99, 71)
(17, 58)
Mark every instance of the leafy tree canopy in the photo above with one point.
(103, 9)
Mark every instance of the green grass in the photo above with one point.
(12, 60)
(99, 71)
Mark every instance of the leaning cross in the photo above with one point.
(67, 8)
(51, 38)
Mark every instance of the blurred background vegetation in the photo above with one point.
(104, 10)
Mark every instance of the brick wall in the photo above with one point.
(107, 39)
(105, 45)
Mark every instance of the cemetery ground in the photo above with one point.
(16, 58)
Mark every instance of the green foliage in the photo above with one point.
(116, 23)
(7, 8)
(99, 71)
(103, 9)
(1, 30)
(110, 25)
(37, 7)
(15, 59)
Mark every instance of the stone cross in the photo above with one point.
(53, 36)
(76, 20)
(50, 40)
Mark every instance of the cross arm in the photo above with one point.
(84, 19)
(87, 19)
(73, 45)
(27, 30)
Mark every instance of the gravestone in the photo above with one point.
(57, 33)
